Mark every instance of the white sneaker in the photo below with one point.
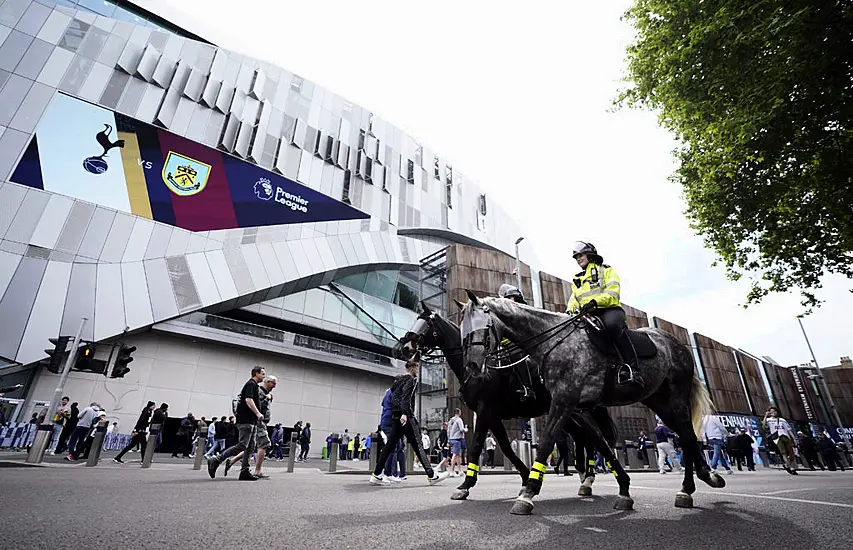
(438, 478)
(395, 479)
(663, 471)
(729, 472)
(376, 480)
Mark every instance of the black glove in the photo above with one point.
(589, 306)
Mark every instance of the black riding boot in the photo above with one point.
(627, 373)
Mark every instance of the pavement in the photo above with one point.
(170, 505)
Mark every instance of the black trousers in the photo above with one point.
(410, 431)
(614, 322)
(747, 457)
(562, 457)
(810, 459)
(140, 439)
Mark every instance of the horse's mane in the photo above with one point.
(513, 308)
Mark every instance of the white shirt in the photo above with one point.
(778, 426)
(211, 430)
(712, 428)
(110, 429)
(490, 443)
(425, 440)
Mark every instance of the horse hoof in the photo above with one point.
(683, 500)
(716, 481)
(460, 494)
(624, 503)
(584, 491)
(522, 507)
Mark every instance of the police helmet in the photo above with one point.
(510, 291)
(581, 247)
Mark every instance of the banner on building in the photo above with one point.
(93, 154)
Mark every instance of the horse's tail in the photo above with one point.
(700, 405)
(605, 424)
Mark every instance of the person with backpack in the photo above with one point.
(185, 437)
(404, 424)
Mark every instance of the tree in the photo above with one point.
(760, 96)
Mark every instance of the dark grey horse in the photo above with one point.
(492, 394)
(575, 372)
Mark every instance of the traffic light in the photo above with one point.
(124, 357)
(86, 360)
(57, 353)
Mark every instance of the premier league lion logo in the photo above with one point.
(263, 189)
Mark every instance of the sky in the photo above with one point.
(519, 98)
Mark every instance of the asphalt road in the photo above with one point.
(171, 505)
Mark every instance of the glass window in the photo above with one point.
(98, 6)
(406, 297)
(380, 286)
(295, 302)
(348, 315)
(314, 301)
(332, 308)
(124, 15)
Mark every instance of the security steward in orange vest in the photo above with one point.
(598, 284)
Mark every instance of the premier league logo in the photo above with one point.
(183, 175)
(263, 189)
(98, 165)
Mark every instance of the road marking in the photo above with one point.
(596, 529)
(788, 491)
(745, 495)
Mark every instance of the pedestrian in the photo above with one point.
(262, 439)
(444, 446)
(305, 442)
(139, 433)
(715, 435)
(808, 451)
(59, 420)
(782, 436)
(248, 416)
(562, 443)
(220, 429)
(350, 447)
(828, 449)
(733, 449)
(84, 444)
(456, 434)
(231, 432)
(84, 424)
(368, 442)
(275, 442)
(68, 428)
(665, 448)
(345, 439)
(642, 448)
(490, 446)
(404, 424)
(744, 443)
(355, 445)
(211, 435)
(185, 437)
(331, 438)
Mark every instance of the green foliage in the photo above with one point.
(760, 97)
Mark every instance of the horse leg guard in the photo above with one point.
(585, 490)
(470, 480)
(683, 500)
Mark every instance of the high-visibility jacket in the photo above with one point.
(597, 282)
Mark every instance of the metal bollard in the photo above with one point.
(40, 444)
(291, 456)
(153, 435)
(333, 458)
(374, 437)
(200, 444)
(97, 444)
(507, 462)
(410, 459)
(524, 452)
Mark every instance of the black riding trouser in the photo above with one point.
(613, 319)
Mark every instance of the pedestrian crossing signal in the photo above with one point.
(124, 357)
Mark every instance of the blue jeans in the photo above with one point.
(719, 457)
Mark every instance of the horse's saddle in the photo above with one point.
(643, 345)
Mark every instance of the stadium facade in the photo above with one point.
(218, 212)
(213, 210)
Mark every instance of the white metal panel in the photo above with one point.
(137, 243)
(46, 314)
(8, 264)
(221, 274)
(268, 257)
(109, 302)
(255, 266)
(137, 304)
(52, 221)
(203, 278)
(368, 246)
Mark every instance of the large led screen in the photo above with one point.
(91, 153)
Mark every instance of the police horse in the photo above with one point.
(579, 372)
(502, 393)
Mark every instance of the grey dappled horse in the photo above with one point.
(575, 371)
(492, 394)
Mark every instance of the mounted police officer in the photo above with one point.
(511, 292)
(597, 286)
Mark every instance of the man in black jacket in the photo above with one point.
(744, 443)
(404, 424)
(808, 451)
(140, 432)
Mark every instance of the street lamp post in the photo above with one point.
(534, 439)
(820, 377)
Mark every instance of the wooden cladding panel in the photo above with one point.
(754, 383)
(679, 332)
(787, 398)
(722, 376)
